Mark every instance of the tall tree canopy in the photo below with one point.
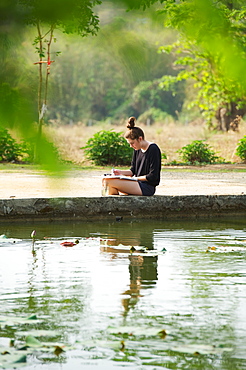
(210, 50)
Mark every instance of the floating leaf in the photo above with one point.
(31, 341)
(57, 344)
(15, 320)
(13, 359)
(20, 359)
(126, 248)
(133, 250)
(225, 249)
(137, 331)
(162, 333)
(5, 352)
(58, 350)
(115, 345)
(37, 333)
(200, 349)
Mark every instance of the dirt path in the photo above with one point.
(209, 180)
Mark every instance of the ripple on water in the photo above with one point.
(196, 296)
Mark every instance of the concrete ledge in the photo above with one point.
(117, 207)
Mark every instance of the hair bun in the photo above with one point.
(131, 123)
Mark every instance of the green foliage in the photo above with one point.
(138, 4)
(209, 82)
(27, 151)
(198, 153)
(241, 149)
(163, 156)
(149, 94)
(108, 148)
(203, 57)
(99, 86)
(17, 88)
(75, 16)
(153, 115)
(10, 150)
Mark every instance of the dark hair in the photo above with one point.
(134, 131)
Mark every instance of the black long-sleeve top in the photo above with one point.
(147, 164)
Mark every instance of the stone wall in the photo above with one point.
(122, 206)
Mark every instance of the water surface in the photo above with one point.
(179, 306)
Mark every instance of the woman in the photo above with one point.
(145, 167)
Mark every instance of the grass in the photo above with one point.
(170, 137)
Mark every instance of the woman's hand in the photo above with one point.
(116, 172)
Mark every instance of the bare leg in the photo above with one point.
(116, 186)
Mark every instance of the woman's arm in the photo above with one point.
(142, 178)
(122, 172)
(154, 163)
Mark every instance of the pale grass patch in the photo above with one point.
(170, 137)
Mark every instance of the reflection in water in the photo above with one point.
(31, 282)
(142, 269)
(143, 274)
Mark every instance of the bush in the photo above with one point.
(10, 150)
(241, 149)
(197, 153)
(108, 148)
(27, 151)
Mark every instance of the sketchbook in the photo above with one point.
(121, 177)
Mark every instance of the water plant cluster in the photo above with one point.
(27, 336)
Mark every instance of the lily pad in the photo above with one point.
(115, 345)
(201, 349)
(34, 343)
(137, 331)
(225, 249)
(15, 320)
(132, 250)
(31, 341)
(121, 248)
(10, 358)
(37, 333)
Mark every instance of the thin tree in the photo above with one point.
(75, 16)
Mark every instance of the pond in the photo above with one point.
(175, 301)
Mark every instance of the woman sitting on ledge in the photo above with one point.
(145, 167)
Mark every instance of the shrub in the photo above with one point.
(108, 148)
(10, 150)
(241, 149)
(198, 152)
(27, 151)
